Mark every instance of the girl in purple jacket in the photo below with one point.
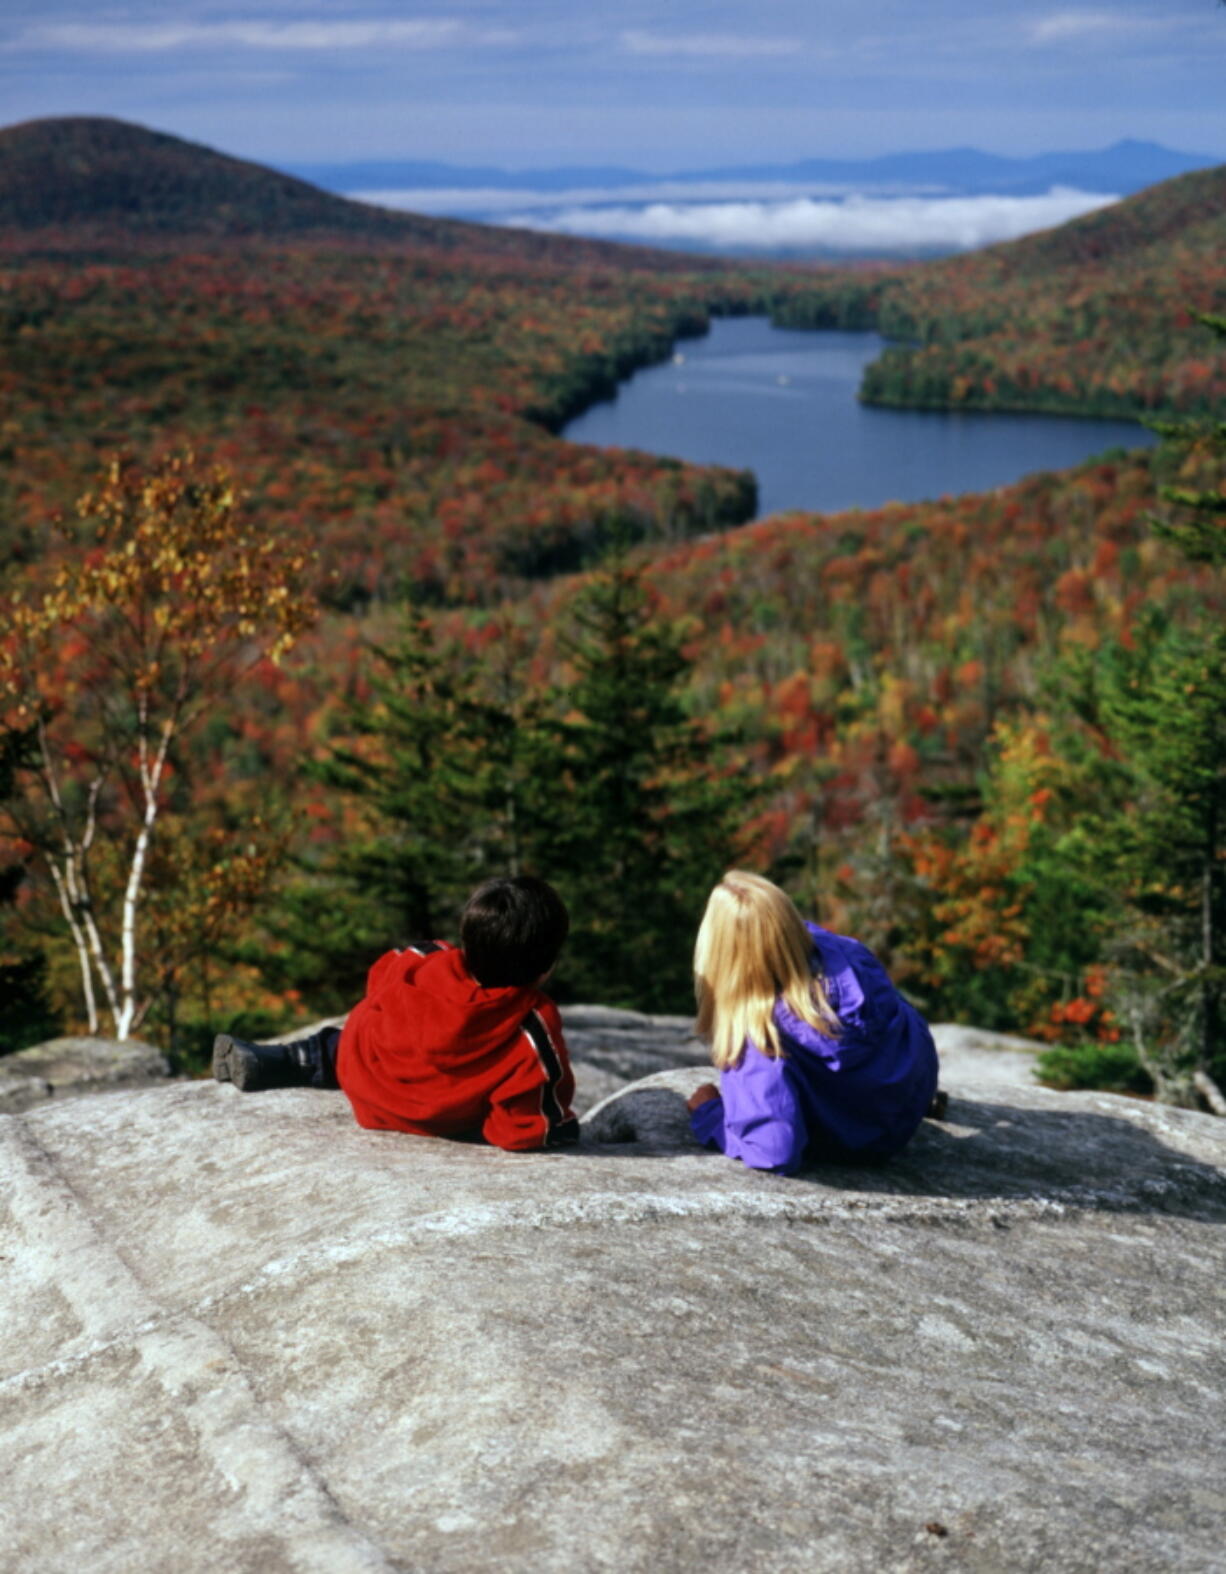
(820, 1057)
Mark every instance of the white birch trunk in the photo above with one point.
(131, 897)
(72, 882)
(151, 776)
(78, 936)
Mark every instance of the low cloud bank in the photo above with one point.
(486, 201)
(858, 224)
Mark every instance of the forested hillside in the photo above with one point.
(1093, 318)
(875, 664)
(391, 408)
(391, 399)
(893, 712)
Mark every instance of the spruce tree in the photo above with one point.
(1162, 705)
(408, 774)
(634, 819)
(1198, 526)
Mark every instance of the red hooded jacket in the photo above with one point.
(429, 1050)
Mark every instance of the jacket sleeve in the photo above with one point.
(757, 1117)
(531, 1107)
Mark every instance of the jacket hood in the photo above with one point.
(437, 1006)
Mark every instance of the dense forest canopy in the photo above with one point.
(897, 687)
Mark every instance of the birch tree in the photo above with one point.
(159, 598)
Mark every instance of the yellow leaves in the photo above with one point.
(168, 570)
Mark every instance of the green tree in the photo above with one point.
(633, 817)
(1196, 527)
(1162, 706)
(432, 772)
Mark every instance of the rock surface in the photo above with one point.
(237, 1333)
(611, 1049)
(614, 1048)
(76, 1065)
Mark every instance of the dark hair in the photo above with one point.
(512, 930)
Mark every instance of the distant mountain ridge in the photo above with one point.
(82, 169)
(1121, 169)
(84, 176)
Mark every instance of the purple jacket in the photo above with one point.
(858, 1096)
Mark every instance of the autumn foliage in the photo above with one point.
(388, 410)
(158, 600)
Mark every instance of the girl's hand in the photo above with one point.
(702, 1095)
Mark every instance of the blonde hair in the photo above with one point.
(752, 950)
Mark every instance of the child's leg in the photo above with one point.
(307, 1062)
(940, 1104)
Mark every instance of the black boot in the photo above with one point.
(306, 1063)
(254, 1066)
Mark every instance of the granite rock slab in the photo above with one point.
(238, 1333)
(610, 1048)
(68, 1066)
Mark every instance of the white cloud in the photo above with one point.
(160, 37)
(734, 46)
(486, 200)
(1061, 25)
(860, 224)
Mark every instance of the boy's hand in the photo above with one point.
(702, 1095)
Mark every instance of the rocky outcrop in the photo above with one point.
(610, 1049)
(76, 1065)
(238, 1333)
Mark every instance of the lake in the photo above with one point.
(782, 403)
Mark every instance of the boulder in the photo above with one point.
(973, 1055)
(612, 1048)
(239, 1333)
(65, 1066)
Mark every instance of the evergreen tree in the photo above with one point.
(1162, 705)
(432, 769)
(458, 772)
(1198, 527)
(412, 764)
(633, 818)
(1164, 708)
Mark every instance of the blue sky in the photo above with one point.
(658, 86)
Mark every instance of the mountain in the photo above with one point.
(95, 177)
(1095, 317)
(1188, 214)
(87, 170)
(1123, 168)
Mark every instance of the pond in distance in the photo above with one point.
(782, 403)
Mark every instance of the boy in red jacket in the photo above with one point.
(446, 1042)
